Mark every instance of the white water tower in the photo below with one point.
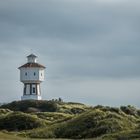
(31, 75)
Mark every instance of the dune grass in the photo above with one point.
(46, 120)
(5, 136)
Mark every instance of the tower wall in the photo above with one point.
(32, 60)
(31, 97)
(29, 75)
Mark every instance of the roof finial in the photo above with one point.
(31, 51)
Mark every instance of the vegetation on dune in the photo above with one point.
(54, 117)
(4, 136)
(57, 119)
(29, 106)
(5, 111)
(95, 123)
(98, 121)
(32, 106)
(9, 136)
(17, 121)
(72, 108)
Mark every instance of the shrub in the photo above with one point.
(18, 121)
(77, 110)
(75, 127)
(4, 111)
(129, 110)
(26, 105)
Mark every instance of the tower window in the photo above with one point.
(26, 73)
(33, 89)
(34, 73)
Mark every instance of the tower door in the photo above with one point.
(34, 90)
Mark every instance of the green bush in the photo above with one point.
(77, 110)
(25, 106)
(107, 108)
(41, 133)
(75, 127)
(95, 123)
(54, 117)
(4, 111)
(18, 121)
(129, 110)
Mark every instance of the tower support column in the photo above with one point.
(31, 91)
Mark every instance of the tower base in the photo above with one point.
(31, 97)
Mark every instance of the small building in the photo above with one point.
(31, 75)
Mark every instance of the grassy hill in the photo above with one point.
(57, 119)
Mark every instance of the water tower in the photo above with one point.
(31, 75)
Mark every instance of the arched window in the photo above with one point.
(34, 73)
(26, 73)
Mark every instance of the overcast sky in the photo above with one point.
(91, 49)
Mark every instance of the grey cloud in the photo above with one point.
(68, 20)
(77, 41)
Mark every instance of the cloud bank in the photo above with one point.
(90, 48)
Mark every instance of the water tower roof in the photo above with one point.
(32, 65)
(31, 55)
